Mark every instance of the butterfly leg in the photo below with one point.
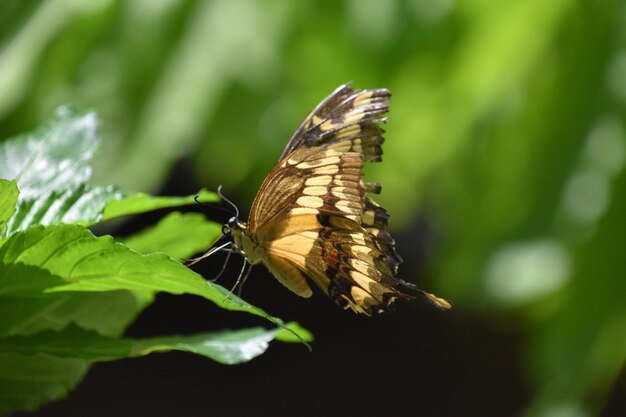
(243, 281)
(208, 253)
(219, 274)
(243, 276)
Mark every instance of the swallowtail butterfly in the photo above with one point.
(312, 221)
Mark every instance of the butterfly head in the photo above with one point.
(233, 229)
(238, 232)
(227, 228)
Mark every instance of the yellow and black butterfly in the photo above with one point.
(311, 220)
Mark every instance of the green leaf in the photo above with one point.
(294, 333)
(87, 205)
(66, 296)
(51, 166)
(140, 203)
(178, 235)
(81, 205)
(227, 347)
(43, 367)
(108, 313)
(27, 381)
(70, 258)
(54, 157)
(8, 198)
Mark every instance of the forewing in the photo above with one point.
(309, 181)
(347, 121)
(330, 146)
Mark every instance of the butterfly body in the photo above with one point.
(312, 221)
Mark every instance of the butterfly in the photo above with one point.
(312, 220)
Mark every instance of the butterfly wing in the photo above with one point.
(326, 229)
(312, 217)
(347, 120)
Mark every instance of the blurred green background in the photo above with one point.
(506, 138)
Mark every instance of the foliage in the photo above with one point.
(66, 295)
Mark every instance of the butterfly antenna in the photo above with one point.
(196, 199)
(229, 211)
(219, 192)
(208, 253)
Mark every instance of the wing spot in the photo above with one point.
(347, 203)
(358, 238)
(361, 298)
(360, 248)
(354, 116)
(363, 98)
(348, 183)
(310, 202)
(328, 169)
(323, 180)
(368, 217)
(327, 125)
(361, 271)
(302, 210)
(360, 278)
(348, 197)
(345, 209)
(348, 177)
(346, 132)
(320, 162)
(315, 120)
(316, 190)
(365, 257)
(343, 146)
